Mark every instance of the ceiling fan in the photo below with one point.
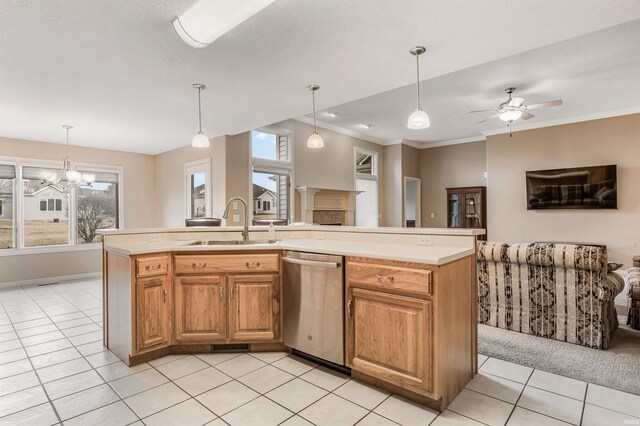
(514, 108)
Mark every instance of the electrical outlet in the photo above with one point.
(433, 215)
(295, 235)
(182, 236)
(154, 238)
(235, 205)
(485, 175)
(236, 218)
(424, 240)
(318, 235)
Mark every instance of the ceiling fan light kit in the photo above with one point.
(315, 140)
(200, 140)
(418, 119)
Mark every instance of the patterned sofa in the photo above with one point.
(559, 291)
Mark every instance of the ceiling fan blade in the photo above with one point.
(526, 115)
(483, 110)
(516, 102)
(545, 104)
(488, 118)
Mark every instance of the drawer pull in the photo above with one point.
(252, 265)
(221, 293)
(232, 290)
(164, 296)
(385, 277)
(152, 267)
(199, 264)
(349, 312)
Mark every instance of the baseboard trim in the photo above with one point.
(47, 280)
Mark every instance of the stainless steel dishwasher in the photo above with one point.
(314, 304)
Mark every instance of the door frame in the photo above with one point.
(418, 204)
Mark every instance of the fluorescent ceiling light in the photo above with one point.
(207, 20)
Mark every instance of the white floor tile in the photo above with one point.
(572, 388)
(32, 323)
(217, 358)
(157, 399)
(405, 412)
(102, 358)
(115, 414)
(481, 359)
(13, 355)
(449, 418)
(269, 357)
(5, 337)
(497, 387)
(136, 383)
(227, 397)
(72, 384)
(373, 419)
(40, 415)
(64, 369)
(47, 347)
(615, 400)
(18, 382)
(325, 378)
(523, 417)
(296, 394)
(86, 338)
(506, 370)
(51, 358)
(294, 365)
(13, 368)
(598, 416)
(10, 345)
(240, 366)
(34, 331)
(265, 379)
(182, 367)
(82, 402)
(260, 411)
(202, 381)
(296, 421)
(63, 325)
(82, 329)
(21, 400)
(481, 407)
(187, 413)
(91, 348)
(41, 338)
(333, 411)
(552, 405)
(118, 370)
(165, 359)
(362, 394)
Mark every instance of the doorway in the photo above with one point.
(412, 203)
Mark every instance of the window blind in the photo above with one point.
(367, 203)
(7, 171)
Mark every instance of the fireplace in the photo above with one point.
(328, 206)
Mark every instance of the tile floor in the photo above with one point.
(54, 369)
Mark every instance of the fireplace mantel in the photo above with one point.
(317, 199)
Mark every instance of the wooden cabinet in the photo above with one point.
(389, 337)
(467, 207)
(200, 308)
(153, 313)
(254, 305)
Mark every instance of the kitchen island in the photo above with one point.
(409, 298)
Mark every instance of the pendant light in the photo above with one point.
(67, 179)
(315, 140)
(418, 119)
(200, 140)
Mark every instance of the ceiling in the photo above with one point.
(119, 74)
(595, 75)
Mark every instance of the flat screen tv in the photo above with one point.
(594, 187)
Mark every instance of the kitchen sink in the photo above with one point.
(230, 242)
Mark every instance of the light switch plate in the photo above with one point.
(153, 238)
(433, 215)
(236, 218)
(235, 205)
(318, 235)
(424, 240)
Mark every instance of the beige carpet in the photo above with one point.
(618, 367)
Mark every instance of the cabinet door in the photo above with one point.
(153, 313)
(455, 210)
(254, 307)
(201, 309)
(389, 337)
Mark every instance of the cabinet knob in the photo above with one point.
(199, 264)
(252, 265)
(384, 277)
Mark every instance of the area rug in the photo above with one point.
(618, 367)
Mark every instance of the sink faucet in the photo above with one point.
(245, 231)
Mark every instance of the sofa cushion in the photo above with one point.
(592, 258)
(491, 251)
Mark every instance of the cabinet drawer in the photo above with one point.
(153, 265)
(194, 264)
(387, 276)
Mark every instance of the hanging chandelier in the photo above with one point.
(66, 179)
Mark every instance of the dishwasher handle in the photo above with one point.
(319, 263)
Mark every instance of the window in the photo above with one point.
(7, 188)
(198, 188)
(47, 216)
(272, 170)
(366, 174)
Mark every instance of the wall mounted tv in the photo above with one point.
(593, 187)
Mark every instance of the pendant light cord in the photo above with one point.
(313, 97)
(418, 81)
(199, 111)
(67, 142)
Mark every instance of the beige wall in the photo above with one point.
(140, 206)
(598, 142)
(237, 177)
(447, 167)
(393, 185)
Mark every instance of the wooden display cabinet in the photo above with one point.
(467, 208)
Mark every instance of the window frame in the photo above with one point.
(19, 163)
(373, 176)
(280, 166)
(204, 165)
